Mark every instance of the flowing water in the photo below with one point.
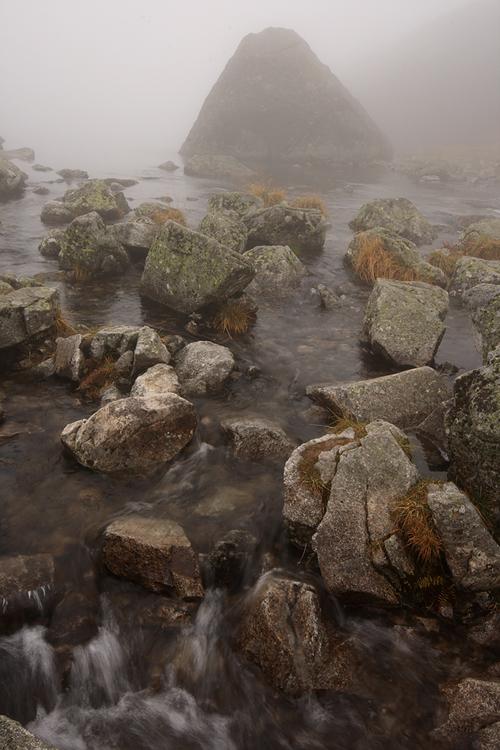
(137, 687)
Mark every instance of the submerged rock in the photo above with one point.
(88, 248)
(133, 435)
(25, 313)
(156, 381)
(203, 367)
(187, 270)
(12, 179)
(217, 165)
(13, 736)
(260, 109)
(302, 229)
(404, 321)
(399, 216)
(154, 552)
(226, 228)
(257, 438)
(277, 271)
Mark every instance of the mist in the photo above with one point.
(115, 83)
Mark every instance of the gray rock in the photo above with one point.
(154, 552)
(25, 313)
(399, 216)
(484, 302)
(234, 203)
(73, 174)
(50, 246)
(93, 196)
(132, 435)
(156, 381)
(302, 229)
(125, 363)
(404, 321)
(473, 428)
(257, 438)
(203, 368)
(88, 247)
(328, 300)
(56, 212)
(114, 341)
(69, 361)
(149, 350)
(13, 736)
(405, 399)
(472, 554)
(25, 583)
(277, 271)
(41, 168)
(110, 394)
(187, 270)
(136, 233)
(217, 165)
(473, 705)
(226, 228)
(12, 179)
(470, 272)
(169, 166)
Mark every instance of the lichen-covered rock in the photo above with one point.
(95, 195)
(89, 248)
(399, 216)
(404, 321)
(136, 233)
(277, 271)
(217, 165)
(484, 302)
(149, 350)
(156, 381)
(154, 552)
(12, 179)
(203, 367)
(473, 428)
(187, 270)
(302, 229)
(478, 231)
(13, 736)
(56, 212)
(257, 438)
(25, 313)
(405, 399)
(113, 341)
(133, 435)
(400, 251)
(469, 272)
(226, 228)
(472, 554)
(69, 361)
(50, 246)
(234, 202)
(26, 581)
(473, 706)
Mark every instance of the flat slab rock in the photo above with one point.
(405, 399)
(155, 553)
(257, 438)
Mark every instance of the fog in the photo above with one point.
(120, 82)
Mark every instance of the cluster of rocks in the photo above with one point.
(92, 195)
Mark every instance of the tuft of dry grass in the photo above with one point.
(445, 259)
(310, 201)
(374, 262)
(308, 469)
(483, 247)
(270, 195)
(100, 376)
(168, 214)
(345, 422)
(80, 275)
(62, 326)
(414, 522)
(234, 318)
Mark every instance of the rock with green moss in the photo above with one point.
(187, 270)
(302, 229)
(239, 203)
(89, 249)
(399, 216)
(484, 302)
(404, 321)
(50, 246)
(95, 195)
(226, 228)
(469, 272)
(473, 427)
(402, 253)
(25, 313)
(12, 179)
(278, 271)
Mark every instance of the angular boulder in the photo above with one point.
(469, 272)
(399, 216)
(484, 302)
(302, 229)
(257, 438)
(260, 109)
(234, 203)
(69, 360)
(133, 435)
(154, 552)
(227, 229)
(89, 249)
(149, 350)
(186, 270)
(277, 271)
(136, 233)
(95, 195)
(203, 368)
(25, 313)
(114, 341)
(12, 179)
(156, 381)
(404, 321)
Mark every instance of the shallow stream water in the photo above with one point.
(133, 689)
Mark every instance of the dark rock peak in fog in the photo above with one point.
(275, 101)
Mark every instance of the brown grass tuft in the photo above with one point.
(234, 318)
(80, 275)
(348, 423)
(310, 201)
(99, 377)
(62, 326)
(374, 262)
(270, 195)
(308, 470)
(168, 214)
(414, 522)
(445, 259)
(483, 247)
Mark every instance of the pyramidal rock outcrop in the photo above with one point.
(276, 102)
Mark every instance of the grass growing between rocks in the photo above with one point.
(100, 375)
(80, 275)
(168, 214)
(445, 259)
(62, 327)
(308, 469)
(270, 196)
(234, 318)
(344, 422)
(484, 247)
(374, 262)
(310, 201)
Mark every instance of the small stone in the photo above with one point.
(203, 367)
(156, 381)
(149, 350)
(257, 439)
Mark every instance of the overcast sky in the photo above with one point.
(110, 82)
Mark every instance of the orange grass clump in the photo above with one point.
(101, 376)
(168, 214)
(374, 262)
(414, 522)
(310, 201)
(234, 318)
(483, 247)
(270, 196)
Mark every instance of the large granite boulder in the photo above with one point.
(483, 300)
(154, 552)
(12, 179)
(88, 248)
(257, 438)
(278, 271)
(378, 253)
(469, 272)
(399, 216)
(218, 165)
(473, 713)
(473, 428)
(132, 435)
(186, 270)
(275, 101)
(234, 203)
(13, 736)
(25, 313)
(93, 195)
(203, 368)
(302, 229)
(404, 321)
(226, 228)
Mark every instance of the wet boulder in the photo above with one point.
(473, 708)
(379, 253)
(404, 321)
(69, 360)
(301, 229)
(187, 270)
(113, 341)
(203, 368)
(399, 216)
(51, 244)
(473, 428)
(13, 736)
(234, 203)
(149, 350)
(472, 554)
(95, 195)
(136, 233)
(12, 179)
(230, 556)
(483, 300)
(217, 165)
(27, 582)
(89, 249)
(133, 435)
(156, 381)
(257, 438)
(55, 213)
(278, 271)
(226, 228)
(25, 313)
(469, 272)
(154, 552)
